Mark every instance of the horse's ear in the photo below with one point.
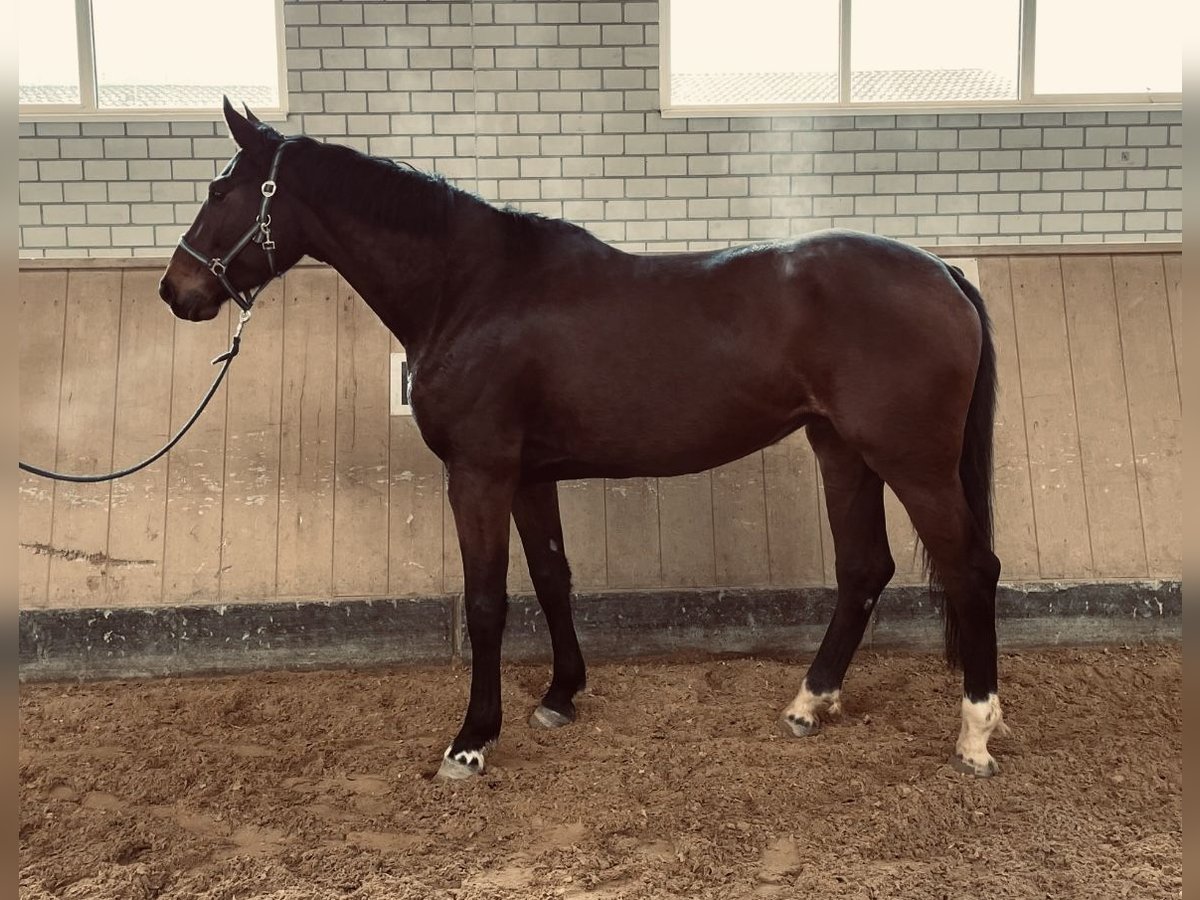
(250, 115)
(246, 134)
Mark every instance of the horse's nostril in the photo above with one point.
(165, 290)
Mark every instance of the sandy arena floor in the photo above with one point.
(674, 783)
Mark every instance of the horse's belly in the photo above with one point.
(659, 439)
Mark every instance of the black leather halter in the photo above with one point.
(258, 233)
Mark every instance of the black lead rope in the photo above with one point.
(225, 359)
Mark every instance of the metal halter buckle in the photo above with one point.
(217, 267)
(268, 244)
(268, 188)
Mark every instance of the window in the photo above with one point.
(756, 56)
(143, 58)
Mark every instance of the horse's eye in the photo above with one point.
(216, 195)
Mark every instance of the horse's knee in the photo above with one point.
(867, 575)
(551, 576)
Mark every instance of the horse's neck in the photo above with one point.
(399, 275)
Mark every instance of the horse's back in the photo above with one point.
(674, 363)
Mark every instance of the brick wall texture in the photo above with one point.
(553, 107)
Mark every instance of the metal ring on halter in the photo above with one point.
(268, 188)
(217, 267)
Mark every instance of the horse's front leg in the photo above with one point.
(482, 502)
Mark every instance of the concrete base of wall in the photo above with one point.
(195, 640)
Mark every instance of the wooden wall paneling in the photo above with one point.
(1154, 407)
(793, 512)
(137, 520)
(43, 297)
(519, 581)
(196, 466)
(1173, 271)
(828, 555)
(740, 523)
(79, 533)
(420, 526)
(902, 539)
(250, 526)
(685, 510)
(307, 433)
(1060, 506)
(581, 505)
(360, 524)
(1015, 530)
(1109, 479)
(452, 567)
(631, 532)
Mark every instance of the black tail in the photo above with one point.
(975, 464)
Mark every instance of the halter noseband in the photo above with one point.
(258, 233)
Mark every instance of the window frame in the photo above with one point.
(1026, 100)
(88, 109)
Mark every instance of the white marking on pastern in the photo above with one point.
(979, 720)
(809, 708)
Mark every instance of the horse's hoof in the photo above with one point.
(545, 717)
(796, 726)
(986, 769)
(464, 764)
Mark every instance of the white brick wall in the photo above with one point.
(551, 106)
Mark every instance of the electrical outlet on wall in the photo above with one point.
(401, 404)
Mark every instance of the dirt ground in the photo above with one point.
(675, 782)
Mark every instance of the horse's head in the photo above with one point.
(243, 235)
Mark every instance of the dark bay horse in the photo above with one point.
(539, 353)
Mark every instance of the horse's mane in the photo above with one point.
(396, 195)
(378, 190)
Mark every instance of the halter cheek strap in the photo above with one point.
(258, 233)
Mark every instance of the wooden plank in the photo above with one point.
(740, 523)
(902, 539)
(196, 467)
(685, 512)
(452, 567)
(421, 528)
(631, 532)
(1106, 447)
(1155, 413)
(1173, 272)
(1015, 535)
(519, 580)
(250, 532)
(41, 324)
(793, 513)
(581, 504)
(307, 434)
(360, 510)
(137, 522)
(79, 533)
(828, 556)
(1059, 504)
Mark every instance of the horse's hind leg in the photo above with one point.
(854, 498)
(968, 571)
(535, 510)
